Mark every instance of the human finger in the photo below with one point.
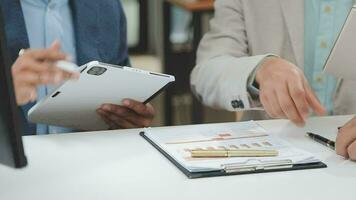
(288, 106)
(298, 95)
(105, 117)
(118, 122)
(313, 101)
(351, 151)
(276, 106)
(128, 115)
(145, 110)
(45, 54)
(346, 136)
(266, 104)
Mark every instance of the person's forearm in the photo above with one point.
(221, 82)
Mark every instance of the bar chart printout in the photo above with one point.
(180, 141)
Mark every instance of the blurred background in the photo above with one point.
(163, 36)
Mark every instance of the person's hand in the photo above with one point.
(346, 140)
(36, 67)
(285, 92)
(132, 114)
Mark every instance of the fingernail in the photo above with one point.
(305, 117)
(55, 42)
(126, 102)
(33, 97)
(106, 107)
(69, 58)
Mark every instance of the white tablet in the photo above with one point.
(342, 59)
(74, 103)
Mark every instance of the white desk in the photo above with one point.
(120, 165)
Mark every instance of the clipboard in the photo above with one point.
(229, 170)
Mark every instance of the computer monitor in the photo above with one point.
(11, 148)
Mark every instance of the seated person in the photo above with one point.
(270, 56)
(85, 33)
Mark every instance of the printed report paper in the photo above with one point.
(179, 141)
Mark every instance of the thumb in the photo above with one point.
(313, 101)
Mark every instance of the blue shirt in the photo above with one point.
(323, 22)
(47, 21)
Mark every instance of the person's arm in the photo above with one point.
(285, 92)
(346, 140)
(224, 65)
(226, 73)
(36, 67)
(131, 114)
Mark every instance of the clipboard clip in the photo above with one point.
(256, 166)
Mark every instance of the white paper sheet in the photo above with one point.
(179, 141)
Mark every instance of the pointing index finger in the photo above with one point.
(313, 101)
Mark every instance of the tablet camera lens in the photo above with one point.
(97, 71)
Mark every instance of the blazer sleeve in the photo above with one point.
(224, 66)
(123, 47)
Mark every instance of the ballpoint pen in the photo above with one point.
(320, 139)
(233, 153)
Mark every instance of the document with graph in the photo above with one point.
(177, 143)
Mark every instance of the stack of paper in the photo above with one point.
(179, 141)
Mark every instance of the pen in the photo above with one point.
(233, 153)
(322, 140)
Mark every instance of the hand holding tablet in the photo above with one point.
(75, 104)
(131, 114)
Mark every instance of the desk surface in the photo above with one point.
(121, 165)
(194, 5)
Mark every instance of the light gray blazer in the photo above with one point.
(242, 33)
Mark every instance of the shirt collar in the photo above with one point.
(45, 2)
(59, 2)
